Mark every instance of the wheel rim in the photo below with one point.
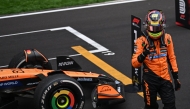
(63, 99)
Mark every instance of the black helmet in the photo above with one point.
(155, 23)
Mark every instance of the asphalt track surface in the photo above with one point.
(108, 26)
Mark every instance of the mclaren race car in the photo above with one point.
(30, 73)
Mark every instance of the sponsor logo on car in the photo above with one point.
(10, 76)
(34, 83)
(105, 89)
(10, 83)
(66, 63)
(84, 79)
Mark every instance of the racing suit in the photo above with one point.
(156, 77)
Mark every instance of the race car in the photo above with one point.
(30, 73)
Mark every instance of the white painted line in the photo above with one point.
(73, 8)
(23, 33)
(99, 48)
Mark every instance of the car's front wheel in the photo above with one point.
(59, 91)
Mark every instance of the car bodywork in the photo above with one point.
(21, 78)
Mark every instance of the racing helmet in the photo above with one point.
(155, 23)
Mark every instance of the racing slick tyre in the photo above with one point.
(19, 61)
(59, 91)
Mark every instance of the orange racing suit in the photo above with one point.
(157, 60)
(156, 76)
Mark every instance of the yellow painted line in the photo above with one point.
(104, 66)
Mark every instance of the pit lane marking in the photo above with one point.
(99, 48)
(106, 67)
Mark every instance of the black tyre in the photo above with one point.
(19, 61)
(59, 91)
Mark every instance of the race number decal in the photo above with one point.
(135, 33)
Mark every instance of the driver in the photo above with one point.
(155, 51)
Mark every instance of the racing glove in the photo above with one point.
(176, 81)
(143, 55)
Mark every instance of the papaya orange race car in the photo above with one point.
(30, 73)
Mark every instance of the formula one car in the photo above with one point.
(30, 73)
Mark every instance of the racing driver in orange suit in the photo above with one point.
(155, 51)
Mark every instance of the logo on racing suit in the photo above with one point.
(157, 56)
